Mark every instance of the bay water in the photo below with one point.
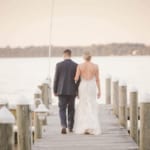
(21, 76)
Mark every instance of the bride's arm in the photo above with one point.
(98, 83)
(77, 76)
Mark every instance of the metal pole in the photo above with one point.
(50, 34)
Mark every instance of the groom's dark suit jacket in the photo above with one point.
(64, 83)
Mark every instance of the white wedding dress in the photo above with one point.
(86, 116)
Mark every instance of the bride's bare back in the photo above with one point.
(87, 71)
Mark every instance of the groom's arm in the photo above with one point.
(77, 78)
(77, 75)
(56, 78)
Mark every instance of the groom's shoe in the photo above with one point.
(63, 131)
(70, 130)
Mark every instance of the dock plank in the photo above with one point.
(113, 137)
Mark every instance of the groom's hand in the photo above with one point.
(55, 94)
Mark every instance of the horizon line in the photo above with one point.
(77, 45)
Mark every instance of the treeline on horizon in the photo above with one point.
(114, 49)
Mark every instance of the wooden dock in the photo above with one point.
(113, 137)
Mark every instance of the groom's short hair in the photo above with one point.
(68, 52)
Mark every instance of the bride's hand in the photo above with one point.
(98, 95)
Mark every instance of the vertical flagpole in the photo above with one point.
(50, 35)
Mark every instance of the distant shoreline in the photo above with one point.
(114, 49)
(72, 57)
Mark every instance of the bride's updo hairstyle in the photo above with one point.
(87, 55)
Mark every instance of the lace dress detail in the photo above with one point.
(86, 117)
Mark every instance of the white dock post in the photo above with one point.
(41, 113)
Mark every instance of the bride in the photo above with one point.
(86, 117)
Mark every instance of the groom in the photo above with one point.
(66, 90)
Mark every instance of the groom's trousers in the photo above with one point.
(67, 110)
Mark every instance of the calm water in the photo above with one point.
(22, 75)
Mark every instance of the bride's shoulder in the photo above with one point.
(96, 66)
(81, 64)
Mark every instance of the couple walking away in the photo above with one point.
(81, 80)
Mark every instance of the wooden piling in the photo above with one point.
(45, 94)
(123, 104)
(37, 124)
(108, 89)
(6, 137)
(6, 129)
(40, 87)
(115, 96)
(38, 127)
(24, 125)
(134, 114)
(3, 102)
(50, 95)
(37, 93)
(145, 123)
(49, 90)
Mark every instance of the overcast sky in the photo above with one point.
(76, 22)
